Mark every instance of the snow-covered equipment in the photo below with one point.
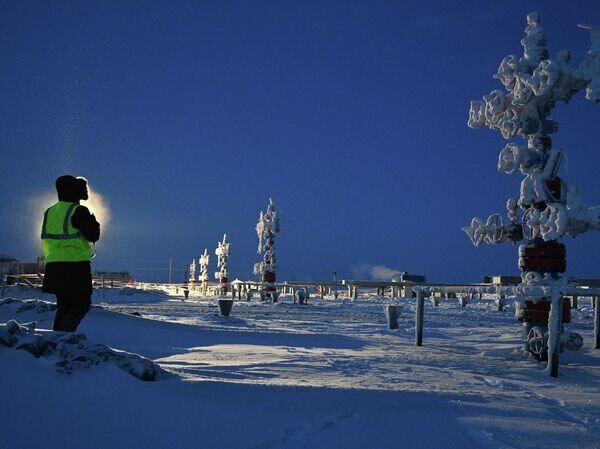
(203, 278)
(223, 252)
(192, 272)
(301, 296)
(267, 229)
(547, 208)
(237, 287)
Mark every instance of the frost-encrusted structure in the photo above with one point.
(73, 351)
(223, 252)
(547, 207)
(192, 272)
(204, 261)
(534, 84)
(267, 229)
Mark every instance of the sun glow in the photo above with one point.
(96, 203)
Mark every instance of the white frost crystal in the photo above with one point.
(477, 114)
(492, 231)
(544, 77)
(515, 158)
(591, 67)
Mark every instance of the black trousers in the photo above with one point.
(72, 307)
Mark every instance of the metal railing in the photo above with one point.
(555, 293)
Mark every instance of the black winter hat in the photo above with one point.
(72, 189)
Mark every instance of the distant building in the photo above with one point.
(8, 265)
(111, 278)
(405, 277)
(502, 280)
(37, 267)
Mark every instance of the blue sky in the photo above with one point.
(187, 116)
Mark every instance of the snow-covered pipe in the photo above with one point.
(554, 333)
(591, 66)
(518, 292)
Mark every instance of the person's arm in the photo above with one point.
(86, 223)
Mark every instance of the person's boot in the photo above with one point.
(67, 323)
(57, 326)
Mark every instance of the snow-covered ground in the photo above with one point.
(328, 374)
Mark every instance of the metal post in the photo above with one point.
(419, 319)
(500, 303)
(170, 268)
(335, 292)
(554, 328)
(391, 312)
(574, 301)
(597, 323)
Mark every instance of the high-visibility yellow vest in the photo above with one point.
(61, 242)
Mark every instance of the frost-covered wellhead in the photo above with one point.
(223, 251)
(267, 229)
(547, 207)
(192, 272)
(203, 278)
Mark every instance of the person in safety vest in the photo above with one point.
(67, 231)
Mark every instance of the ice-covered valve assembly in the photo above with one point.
(203, 278)
(192, 272)
(267, 229)
(547, 208)
(223, 252)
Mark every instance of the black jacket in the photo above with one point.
(86, 223)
